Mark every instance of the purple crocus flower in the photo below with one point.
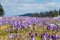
(1, 22)
(48, 27)
(28, 27)
(46, 36)
(32, 36)
(22, 25)
(19, 28)
(46, 23)
(14, 36)
(55, 27)
(55, 37)
(40, 24)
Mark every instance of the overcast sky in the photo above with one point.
(18, 7)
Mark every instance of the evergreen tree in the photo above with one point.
(59, 11)
(1, 10)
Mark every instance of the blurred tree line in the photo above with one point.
(52, 13)
(1, 10)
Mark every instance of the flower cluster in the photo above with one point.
(31, 28)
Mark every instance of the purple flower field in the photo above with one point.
(29, 28)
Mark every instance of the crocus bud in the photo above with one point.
(36, 34)
(10, 36)
(30, 33)
(26, 39)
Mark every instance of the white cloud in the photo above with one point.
(36, 6)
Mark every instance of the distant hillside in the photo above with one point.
(28, 14)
